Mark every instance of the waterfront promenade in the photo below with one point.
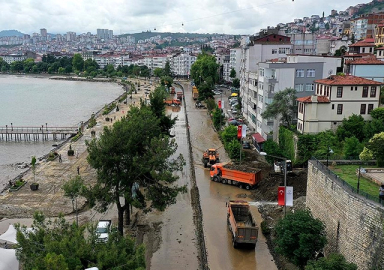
(51, 175)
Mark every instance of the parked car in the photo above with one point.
(199, 105)
(246, 145)
(234, 122)
(103, 229)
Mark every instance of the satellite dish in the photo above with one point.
(330, 72)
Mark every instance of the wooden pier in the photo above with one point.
(14, 133)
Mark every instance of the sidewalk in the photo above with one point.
(51, 175)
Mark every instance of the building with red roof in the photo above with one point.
(337, 97)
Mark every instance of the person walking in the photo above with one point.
(78, 170)
(60, 160)
(381, 193)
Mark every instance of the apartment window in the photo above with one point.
(310, 73)
(370, 108)
(351, 88)
(365, 91)
(373, 91)
(309, 87)
(261, 72)
(299, 87)
(333, 106)
(274, 51)
(339, 92)
(300, 73)
(363, 108)
(339, 108)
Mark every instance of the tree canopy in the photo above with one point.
(133, 161)
(374, 149)
(283, 105)
(204, 73)
(57, 244)
(299, 237)
(334, 261)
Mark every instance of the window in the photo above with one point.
(339, 93)
(373, 91)
(365, 91)
(300, 73)
(310, 73)
(370, 108)
(261, 72)
(339, 108)
(351, 88)
(363, 107)
(309, 87)
(274, 51)
(333, 106)
(299, 87)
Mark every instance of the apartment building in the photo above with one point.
(181, 64)
(337, 97)
(369, 68)
(294, 71)
(256, 49)
(234, 61)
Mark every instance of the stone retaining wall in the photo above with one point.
(354, 225)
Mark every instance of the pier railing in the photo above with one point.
(18, 133)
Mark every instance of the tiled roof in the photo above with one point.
(308, 99)
(368, 42)
(366, 61)
(346, 80)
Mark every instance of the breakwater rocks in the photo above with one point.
(82, 79)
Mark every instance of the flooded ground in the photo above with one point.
(213, 195)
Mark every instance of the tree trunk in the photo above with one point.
(127, 214)
(120, 214)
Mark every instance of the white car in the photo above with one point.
(103, 229)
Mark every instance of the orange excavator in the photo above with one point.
(210, 157)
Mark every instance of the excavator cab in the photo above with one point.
(210, 157)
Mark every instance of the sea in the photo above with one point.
(40, 101)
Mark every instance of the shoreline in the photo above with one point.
(43, 158)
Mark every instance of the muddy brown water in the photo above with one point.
(220, 252)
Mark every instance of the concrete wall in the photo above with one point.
(354, 225)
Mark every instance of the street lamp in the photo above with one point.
(285, 178)
(329, 151)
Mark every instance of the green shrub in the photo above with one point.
(92, 122)
(77, 137)
(52, 156)
(265, 229)
(109, 108)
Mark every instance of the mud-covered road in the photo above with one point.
(213, 195)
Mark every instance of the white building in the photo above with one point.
(234, 60)
(295, 71)
(181, 64)
(337, 97)
(253, 51)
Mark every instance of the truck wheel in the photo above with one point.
(205, 165)
(223, 181)
(241, 186)
(215, 178)
(247, 187)
(234, 243)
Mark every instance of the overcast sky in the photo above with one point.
(132, 16)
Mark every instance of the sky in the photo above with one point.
(244, 17)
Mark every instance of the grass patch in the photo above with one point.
(348, 174)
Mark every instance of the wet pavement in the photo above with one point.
(213, 196)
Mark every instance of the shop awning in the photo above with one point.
(258, 138)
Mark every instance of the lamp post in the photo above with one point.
(329, 151)
(285, 178)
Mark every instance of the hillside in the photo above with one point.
(373, 7)
(10, 33)
(149, 34)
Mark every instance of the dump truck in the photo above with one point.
(210, 157)
(179, 95)
(241, 224)
(173, 102)
(223, 173)
(195, 93)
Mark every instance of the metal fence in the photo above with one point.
(344, 184)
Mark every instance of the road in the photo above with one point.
(213, 195)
